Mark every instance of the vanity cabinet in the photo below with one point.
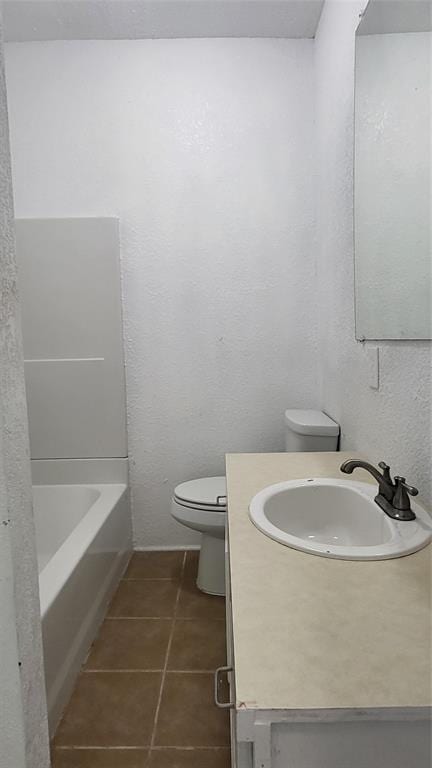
(285, 738)
(327, 664)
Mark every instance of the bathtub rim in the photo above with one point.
(68, 556)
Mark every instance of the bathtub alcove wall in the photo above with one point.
(72, 328)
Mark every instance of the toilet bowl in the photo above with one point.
(201, 505)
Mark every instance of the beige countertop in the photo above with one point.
(315, 633)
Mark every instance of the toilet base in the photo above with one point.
(211, 569)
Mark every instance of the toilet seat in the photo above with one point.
(219, 510)
(207, 494)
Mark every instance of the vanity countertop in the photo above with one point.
(315, 633)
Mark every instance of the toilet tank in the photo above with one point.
(310, 431)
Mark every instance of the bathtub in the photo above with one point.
(83, 542)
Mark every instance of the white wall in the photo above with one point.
(204, 150)
(12, 730)
(23, 725)
(394, 422)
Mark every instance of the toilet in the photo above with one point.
(201, 504)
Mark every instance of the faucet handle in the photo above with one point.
(401, 500)
(386, 472)
(400, 482)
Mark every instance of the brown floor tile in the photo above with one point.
(100, 758)
(196, 604)
(155, 565)
(190, 758)
(198, 644)
(131, 644)
(191, 564)
(144, 599)
(110, 709)
(188, 716)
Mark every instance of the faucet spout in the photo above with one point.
(391, 497)
(385, 483)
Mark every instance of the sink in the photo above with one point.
(337, 519)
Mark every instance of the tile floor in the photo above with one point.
(144, 698)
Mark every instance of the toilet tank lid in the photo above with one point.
(311, 423)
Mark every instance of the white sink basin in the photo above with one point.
(338, 519)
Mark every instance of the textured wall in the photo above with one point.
(16, 491)
(204, 149)
(392, 423)
(12, 731)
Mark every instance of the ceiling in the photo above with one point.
(393, 16)
(26, 20)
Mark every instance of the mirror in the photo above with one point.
(392, 196)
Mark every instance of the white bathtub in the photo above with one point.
(83, 540)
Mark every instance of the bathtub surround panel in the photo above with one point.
(72, 326)
(392, 422)
(70, 404)
(23, 726)
(204, 151)
(81, 471)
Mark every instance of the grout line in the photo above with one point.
(183, 748)
(164, 618)
(140, 618)
(136, 670)
(175, 548)
(158, 706)
(172, 579)
(140, 748)
(140, 670)
(79, 747)
(191, 671)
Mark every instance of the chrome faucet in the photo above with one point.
(392, 497)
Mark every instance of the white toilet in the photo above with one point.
(201, 504)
